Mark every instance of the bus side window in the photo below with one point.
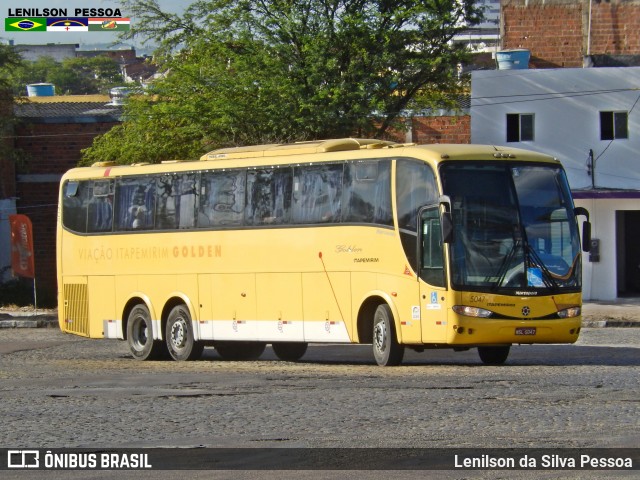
(269, 196)
(317, 194)
(176, 201)
(222, 196)
(415, 188)
(74, 205)
(100, 208)
(367, 192)
(135, 202)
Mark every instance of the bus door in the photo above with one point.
(433, 287)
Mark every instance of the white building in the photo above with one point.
(484, 37)
(590, 120)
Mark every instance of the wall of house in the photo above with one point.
(448, 128)
(559, 33)
(566, 105)
(442, 129)
(601, 279)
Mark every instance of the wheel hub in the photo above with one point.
(379, 336)
(141, 334)
(178, 334)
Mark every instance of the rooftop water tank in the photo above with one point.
(118, 95)
(517, 59)
(41, 90)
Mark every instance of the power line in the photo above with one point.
(537, 97)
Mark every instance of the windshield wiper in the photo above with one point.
(547, 277)
(504, 266)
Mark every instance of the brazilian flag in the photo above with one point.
(32, 24)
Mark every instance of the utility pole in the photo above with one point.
(591, 169)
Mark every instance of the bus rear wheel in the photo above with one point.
(289, 351)
(179, 335)
(386, 349)
(240, 350)
(140, 335)
(494, 355)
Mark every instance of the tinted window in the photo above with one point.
(222, 198)
(367, 192)
(415, 188)
(317, 194)
(268, 196)
(100, 207)
(88, 206)
(176, 201)
(135, 203)
(74, 205)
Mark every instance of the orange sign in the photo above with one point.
(22, 246)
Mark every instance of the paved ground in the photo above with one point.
(582, 395)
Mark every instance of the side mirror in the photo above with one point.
(586, 236)
(446, 221)
(586, 228)
(447, 227)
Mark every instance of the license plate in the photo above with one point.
(526, 331)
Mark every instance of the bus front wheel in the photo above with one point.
(494, 355)
(386, 349)
(140, 335)
(179, 335)
(289, 351)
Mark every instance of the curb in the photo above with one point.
(611, 323)
(41, 323)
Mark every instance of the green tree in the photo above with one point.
(73, 76)
(9, 61)
(255, 71)
(97, 74)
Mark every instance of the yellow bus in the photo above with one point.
(335, 241)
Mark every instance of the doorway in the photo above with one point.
(628, 252)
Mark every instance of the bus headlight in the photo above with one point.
(472, 311)
(570, 312)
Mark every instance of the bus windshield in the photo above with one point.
(514, 228)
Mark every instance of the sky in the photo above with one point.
(82, 38)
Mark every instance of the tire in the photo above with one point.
(179, 335)
(140, 335)
(290, 351)
(386, 349)
(240, 350)
(494, 355)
